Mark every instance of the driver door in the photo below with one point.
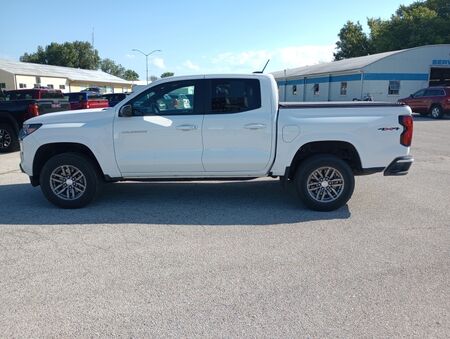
(162, 137)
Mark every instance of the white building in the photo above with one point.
(385, 76)
(18, 75)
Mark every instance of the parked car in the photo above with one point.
(234, 128)
(92, 90)
(114, 98)
(84, 100)
(432, 100)
(16, 106)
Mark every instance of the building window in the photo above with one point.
(22, 85)
(2, 85)
(50, 86)
(62, 86)
(316, 89)
(294, 90)
(38, 80)
(394, 87)
(344, 88)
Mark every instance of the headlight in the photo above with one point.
(27, 129)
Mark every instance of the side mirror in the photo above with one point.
(126, 111)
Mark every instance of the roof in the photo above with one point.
(74, 74)
(344, 65)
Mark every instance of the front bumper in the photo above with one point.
(399, 166)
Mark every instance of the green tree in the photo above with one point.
(77, 54)
(421, 23)
(130, 75)
(353, 42)
(110, 67)
(167, 74)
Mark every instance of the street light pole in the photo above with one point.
(146, 59)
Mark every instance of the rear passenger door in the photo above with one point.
(237, 127)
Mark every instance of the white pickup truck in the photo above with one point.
(216, 127)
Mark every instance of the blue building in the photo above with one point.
(385, 76)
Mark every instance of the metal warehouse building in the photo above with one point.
(18, 75)
(385, 76)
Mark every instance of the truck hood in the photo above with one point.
(79, 116)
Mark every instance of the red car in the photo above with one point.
(431, 100)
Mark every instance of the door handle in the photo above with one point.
(186, 127)
(255, 126)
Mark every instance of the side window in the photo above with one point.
(394, 87)
(172, 98)
(419, 94)
(433, 92)
(235, 95)
(344, 88)
(316, 89)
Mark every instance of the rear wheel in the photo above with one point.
(8, 139)
(324, 182)
(436, 112)
(70, 180)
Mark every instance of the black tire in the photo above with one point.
(9, 142)
(436, 112)
(62, 170)
(327, 174)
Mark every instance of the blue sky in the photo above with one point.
(194, 36)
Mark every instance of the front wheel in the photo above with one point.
(70, 180)
(8, 139)
(324, 182)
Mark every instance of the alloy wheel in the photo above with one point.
(325, 184)
(67, 182)
(5, 138)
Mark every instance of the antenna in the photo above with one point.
(258, 72)
(93, 32)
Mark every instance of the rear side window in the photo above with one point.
(52, 95)
(76, 97)
(434, 92)
(20, 95)
(235, 95)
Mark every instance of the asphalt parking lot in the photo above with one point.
(240, 259)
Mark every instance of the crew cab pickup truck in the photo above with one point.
(16, 106)
(233, 127)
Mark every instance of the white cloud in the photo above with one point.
(297, 56)
(288, 57)
(130, 56)
(158, 62)
(247, 59)
(190, 65)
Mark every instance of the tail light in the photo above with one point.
(407, 122)
(32, 111)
